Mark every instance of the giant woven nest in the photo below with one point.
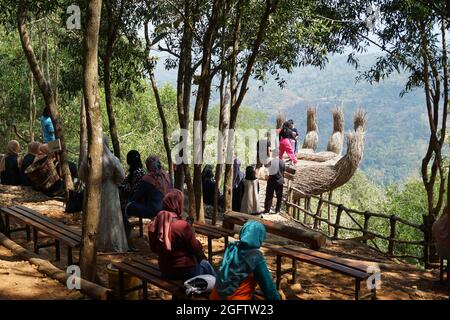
(317, 173)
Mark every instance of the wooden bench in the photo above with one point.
(346, 267)
(443, 269)
(37, 223)
(213, 232)
(150, 274)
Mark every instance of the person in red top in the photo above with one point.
(180, 254)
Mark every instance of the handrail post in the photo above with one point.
(393, 223)
(366, 226)
(338, 221)
(318, 213)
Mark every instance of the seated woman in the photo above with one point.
(33, 152)
(250, 199)
(208, 186)
(180, 254)
(238, 185)
(147, 200)
(10, 165)
(135, 173)
(243, 267)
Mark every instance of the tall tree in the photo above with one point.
(88, 255)
(45, 88)
(114, 13)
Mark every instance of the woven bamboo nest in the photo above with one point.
(317, 178)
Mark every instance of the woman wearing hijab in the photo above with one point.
(111, 236)
(135, 174)
(147, 200)
(250, 199)
(286, 135)
(33, 152)
(180, 254)
(10, 165)
(209, 185)
(243, 267)
(238, 185)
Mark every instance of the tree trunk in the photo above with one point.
(88, 255)
(31, 105)
(201, 106)
(162, 116)
(111, 38)
(184, 85)
(45, 89)
(83, 133)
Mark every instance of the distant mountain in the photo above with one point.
(397, 126)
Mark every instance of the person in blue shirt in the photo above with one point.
(48, 130)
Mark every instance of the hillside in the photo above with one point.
(396, 139)
(397, 135)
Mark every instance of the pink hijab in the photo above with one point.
(161, 224)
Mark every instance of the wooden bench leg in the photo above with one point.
(35, 241)
(210, 251)
(7, 227)
(121, 285)
(28, 231)
(278, 273)
(141, 227)
(69, 256)
(57, 250)
(374, 294)
(357, 288)
(226, 242)
(144, 290)
(294, 271)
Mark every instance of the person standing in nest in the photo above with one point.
(286, 134)
(10, 165)
(243, 267)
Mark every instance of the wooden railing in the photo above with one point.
(342, 223)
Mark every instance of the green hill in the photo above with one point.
(397, 126)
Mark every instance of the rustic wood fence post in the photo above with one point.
(393, 223)
(338, 221)
(366, 226)
(317, 222)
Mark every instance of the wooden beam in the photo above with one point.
(90, 289)
(314, 239)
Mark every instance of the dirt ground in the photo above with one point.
(20, 280)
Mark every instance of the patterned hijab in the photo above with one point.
(241, 258)
(156, 176)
